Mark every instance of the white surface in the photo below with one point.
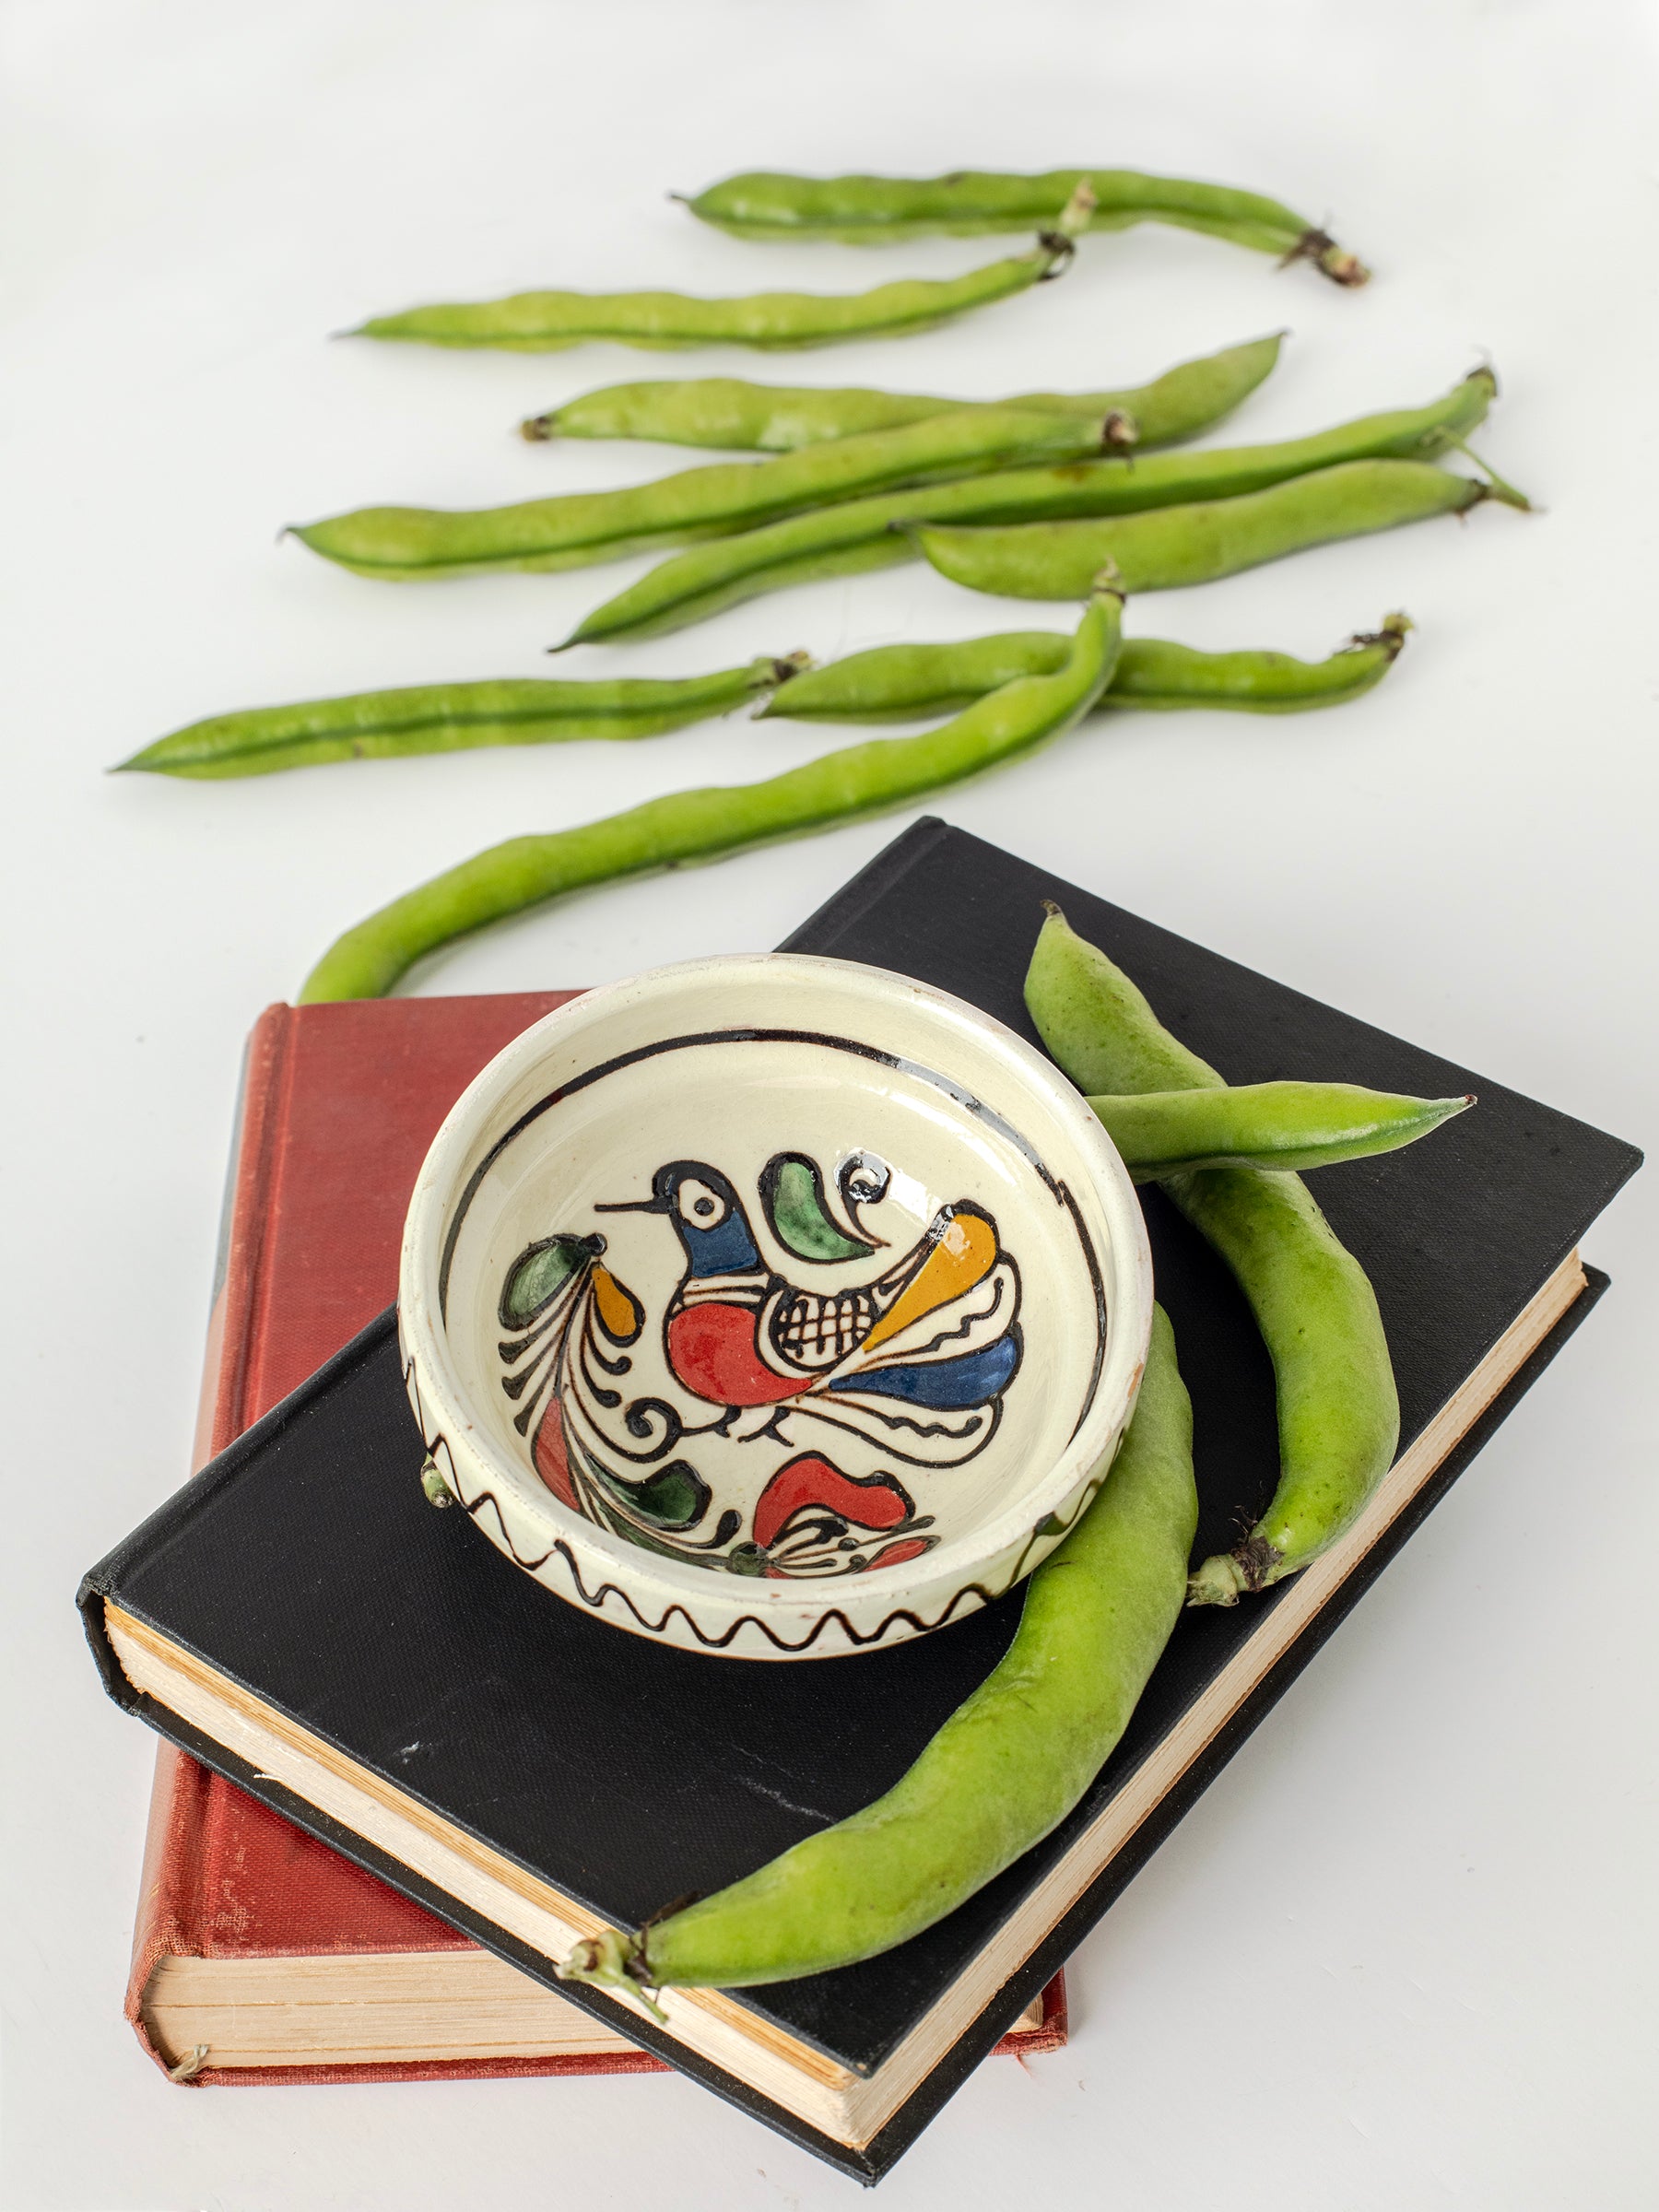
(1403, 1952)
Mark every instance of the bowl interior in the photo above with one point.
(775, 1274)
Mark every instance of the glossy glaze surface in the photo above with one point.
(772, 1306)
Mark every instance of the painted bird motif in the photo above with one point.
(916, 1359)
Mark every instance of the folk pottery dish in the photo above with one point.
(776, 1307)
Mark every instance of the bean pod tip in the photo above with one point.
(1227, 1576)
(786, 664)
(1391, 637)
(1060, 244)
(611, 1962)
(1330, 259)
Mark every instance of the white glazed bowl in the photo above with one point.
(776, 1307)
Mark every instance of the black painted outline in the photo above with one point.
(896, 1061)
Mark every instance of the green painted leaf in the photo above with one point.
(540, 1273)
(793, 1193)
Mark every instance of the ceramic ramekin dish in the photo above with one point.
(776, 1307)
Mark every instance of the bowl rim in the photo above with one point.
(453, 1157)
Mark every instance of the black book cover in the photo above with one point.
(306, 1565)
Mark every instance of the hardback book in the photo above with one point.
(300, 1619)
(261, 1954)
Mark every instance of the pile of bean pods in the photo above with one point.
(1064, 495)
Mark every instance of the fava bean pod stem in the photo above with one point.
(862, 534)
(869, 210)
(906, 683)
(1338, 1410)
(1003, 1771)
(447, 718)
(581, 527)
(739, 416)
(696, 825)
(547, 321)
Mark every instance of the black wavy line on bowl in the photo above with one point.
(595, 1600)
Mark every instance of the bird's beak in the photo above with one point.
(634, 1205)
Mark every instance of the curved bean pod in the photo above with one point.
(1198, 543)
(739, 417)
(865, 210)
(905, 683)
(1338, 1410)
(694, 824)
(581, 527)
(547, 321)
(862, 535)
(1003, 1771)
(447, 718)
(1281, 1126)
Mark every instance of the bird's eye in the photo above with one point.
(700, 1205)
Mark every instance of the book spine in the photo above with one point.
(170, 1898)
(169, 1919)
(240, 1291)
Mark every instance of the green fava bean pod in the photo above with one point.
(547, 321)
(862, 535)
(697, 825)
(1175, 547)
(904, 683)
(447, 718)
(865, 210)
(1283, 1126)
(909, 683)
(1338, 1409)
(739, 417)
(581, 527)
(1005, 1769)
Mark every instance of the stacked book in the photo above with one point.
(300, 1621)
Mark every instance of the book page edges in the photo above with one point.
(849, 2108)
(380, 2009)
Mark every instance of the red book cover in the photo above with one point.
(339, 1105)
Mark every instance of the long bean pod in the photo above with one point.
(579, 528)
(696, 825)
(1003, 1771)
(909, 683)
(730, 413)
(546, 322)
(1198, 543)
(447, 718)
(1338, 1410)
(894, 683)
(862, 534)
(866, 210)
(1289, 1127)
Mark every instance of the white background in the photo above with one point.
(1402, 1955)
